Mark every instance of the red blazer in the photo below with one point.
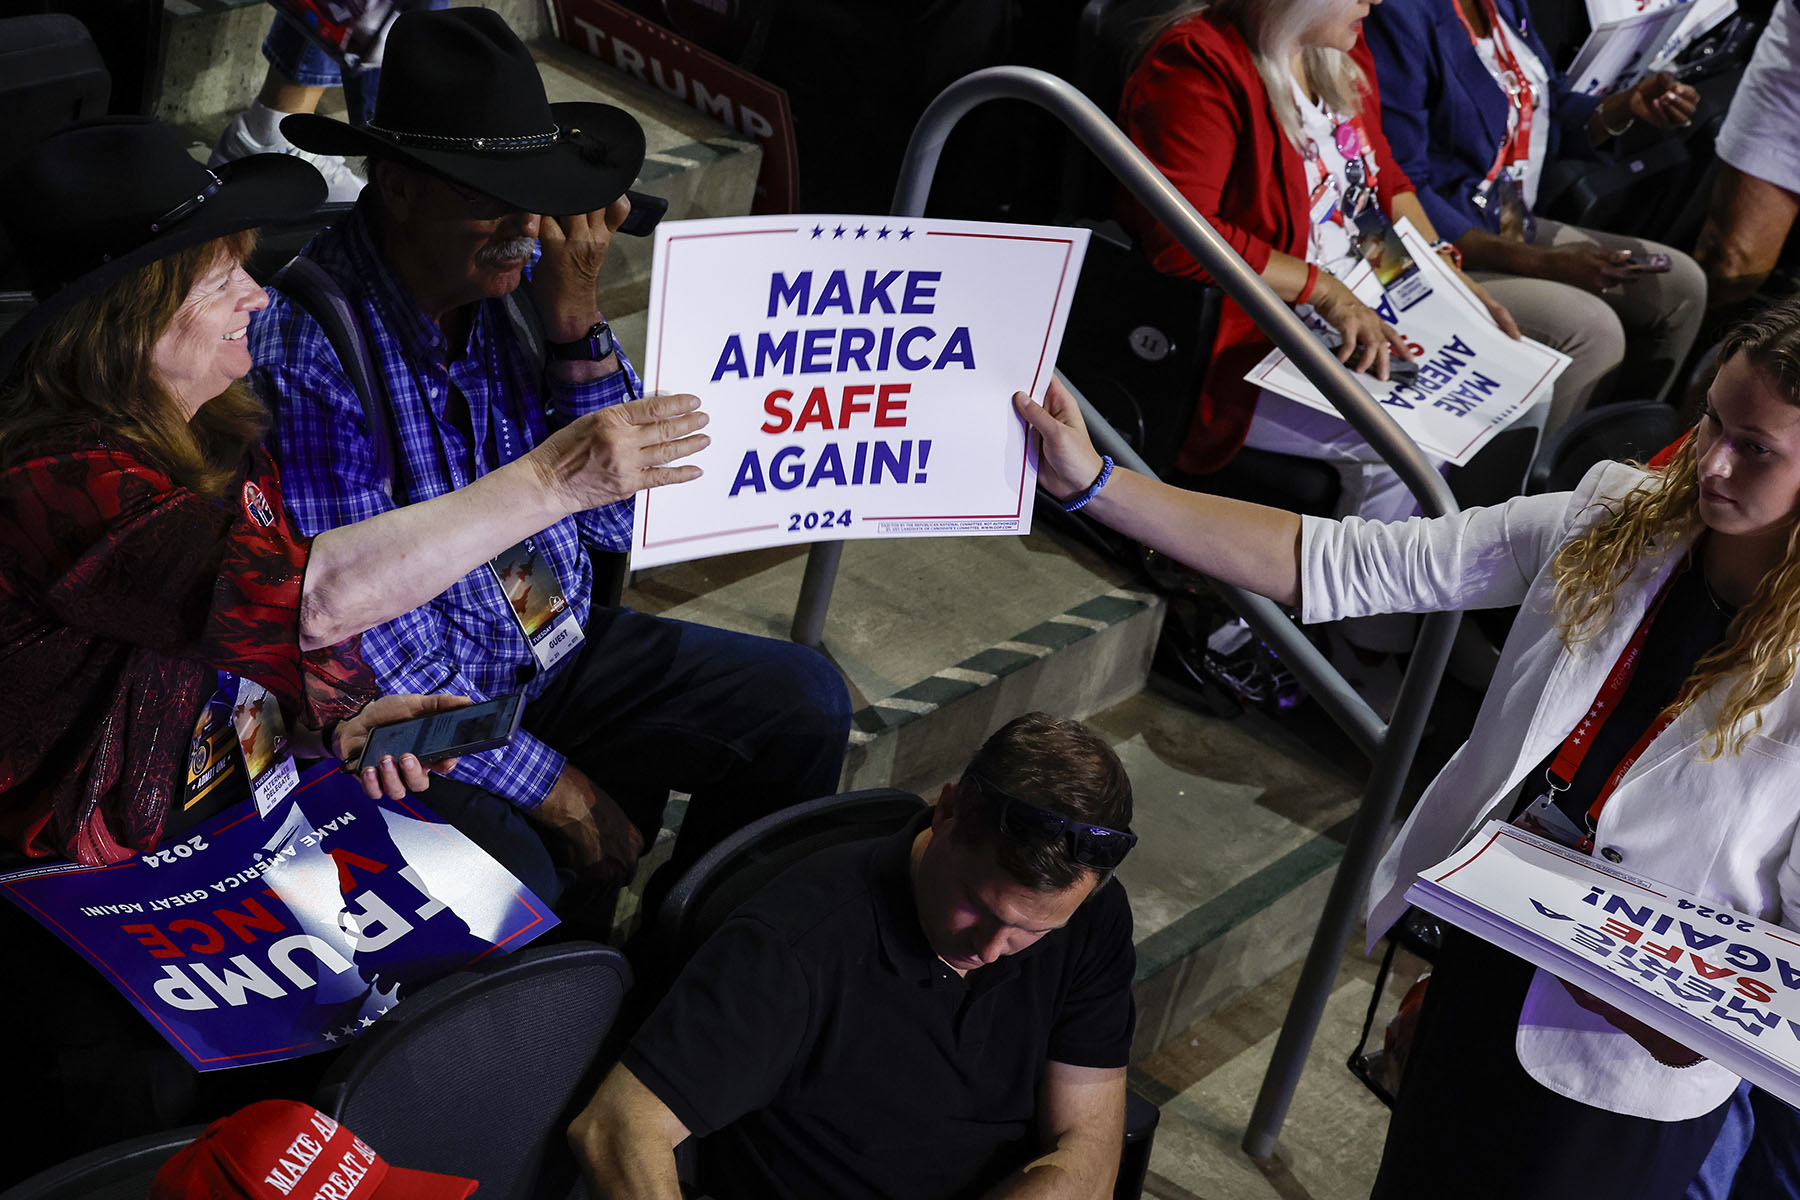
(1197, 108)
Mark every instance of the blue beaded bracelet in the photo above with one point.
(1080, 502)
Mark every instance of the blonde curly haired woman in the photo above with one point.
(1662, 605)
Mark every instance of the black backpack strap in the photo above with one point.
(318, 294)
(527, 323)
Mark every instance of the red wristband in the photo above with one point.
(1312, 281)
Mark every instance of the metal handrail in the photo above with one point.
(1391, 747)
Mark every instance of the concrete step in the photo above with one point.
(214, 67)
(944, 640)
(1240, 825)
(941, 640)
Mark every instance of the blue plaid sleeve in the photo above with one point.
(609, 526)
(321, 440)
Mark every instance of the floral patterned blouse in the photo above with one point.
(121, 596)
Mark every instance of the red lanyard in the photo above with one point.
(1575, 747)
(1363, 152)
(1519, 97)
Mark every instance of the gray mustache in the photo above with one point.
(495, 253)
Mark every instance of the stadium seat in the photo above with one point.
(1625, 432)
(751, 858)
(478, 1074)
(121, 1171)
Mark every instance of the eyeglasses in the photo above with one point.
(187, 207)
(1093, 846)
(479, 205)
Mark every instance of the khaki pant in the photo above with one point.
(1656, 315)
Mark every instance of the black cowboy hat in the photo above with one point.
(101, 198)
(460, 97)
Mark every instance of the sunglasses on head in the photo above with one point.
(1093, 846)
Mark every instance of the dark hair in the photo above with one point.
(1055, 764)
(93, 364)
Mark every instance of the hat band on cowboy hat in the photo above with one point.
(460, 97)
(531, 141)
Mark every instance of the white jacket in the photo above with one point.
(1723, 830)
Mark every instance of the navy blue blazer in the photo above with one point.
(1444, 114)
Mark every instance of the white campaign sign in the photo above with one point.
(1703, 17)
(1473, 380)
(1600, 12)
(1620, 52)
(1717, 981)
(858, 372)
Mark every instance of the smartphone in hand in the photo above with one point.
(446, 734)
(646, 211)
(1647, 264)
(1401, 372)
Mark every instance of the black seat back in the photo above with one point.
(122, 1171)
(51, 74)
(479, 1073)
(755, 855)
(1633, 431)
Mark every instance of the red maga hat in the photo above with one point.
(285, 1150)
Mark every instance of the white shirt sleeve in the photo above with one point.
(1476, 558)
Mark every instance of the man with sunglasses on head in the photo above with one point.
(488, 215)
(943, 1012)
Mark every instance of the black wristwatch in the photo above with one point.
(596, 344)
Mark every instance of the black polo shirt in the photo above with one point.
(821, 1049)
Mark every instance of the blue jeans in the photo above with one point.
(1757, 1155)
(303, 61)
(745, 725)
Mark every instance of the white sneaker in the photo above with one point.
(239, 142)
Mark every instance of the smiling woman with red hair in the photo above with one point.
(144, 545)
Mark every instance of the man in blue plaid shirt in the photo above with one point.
(465, 154)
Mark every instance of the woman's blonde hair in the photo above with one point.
(92, 364)
(1272, 28)
(1757, 658)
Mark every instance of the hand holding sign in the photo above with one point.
(622, 450)
(1067, 460)
(1367, 339)
(1473, 375)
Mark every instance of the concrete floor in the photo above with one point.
(1236, 817)
(1331, 1144)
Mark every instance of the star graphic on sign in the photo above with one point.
(367, 1021)
(881, 234)
(862, 231)
(838, 232)
(330, 1036)
(347, 1031)
(818, 230)
(905, 234)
